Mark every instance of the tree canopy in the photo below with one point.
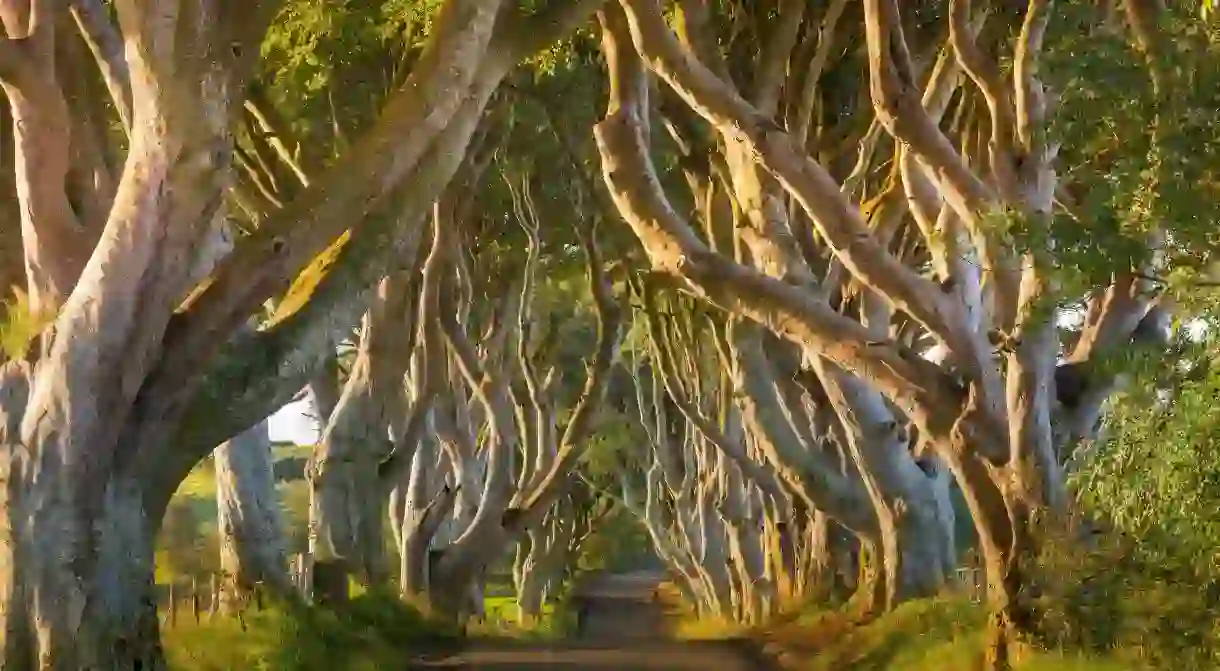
(799, 287)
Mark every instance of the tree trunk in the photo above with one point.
(345, 526)
(94, 614)
(252, 554)
(547, 552)
(324, 388)
(19, 649)
(816, 564)
(86, 535)
(714, 556)
(345, 510)
(418, 523)
(754, 592)
(913, 535)
(1003, 543)
(782, 567)
(413, 565)
(531, 592)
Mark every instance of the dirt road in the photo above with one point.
(624, 630)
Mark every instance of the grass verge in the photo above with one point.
(373, 631)
(503, 621)
(943, 634)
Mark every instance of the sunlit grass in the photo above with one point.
(688, 625)
(374, 631)
(503, 621)
(944, 634)
(707, 629)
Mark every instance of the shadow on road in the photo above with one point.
(624, 629)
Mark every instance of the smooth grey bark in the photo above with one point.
(415, 533)
(345, 529)
(915, 533)
(18, 648)
(324, 388)
(252, 554)
(121, 596)
(547, 549)
(531, 592)
(347, 490)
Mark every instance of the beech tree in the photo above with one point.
(546, 554)
(252, 553)
(876, 222)
(919, 299)
(704, 516)
(530, 454)
(368, 443)
(143, 369)
(480, 457)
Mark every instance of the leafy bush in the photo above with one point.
(1155, 476)
(1148, 587)
(1118, 599)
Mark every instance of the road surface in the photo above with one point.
(624, 630)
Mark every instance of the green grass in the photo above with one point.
(374, 631)
(689, 626)
(189, 546)
(502, 619)
(945, 634)
(707, 629)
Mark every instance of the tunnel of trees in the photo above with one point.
(824, 296)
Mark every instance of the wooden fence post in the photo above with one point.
(195, 597)
(970, 580)
(172, 615)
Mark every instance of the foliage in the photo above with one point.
(21, 325)
(1155, 475)
(316, 44)
(502, 620)
(1139, 152)
(188, 545)
(374, 631)
(618, 544)
(1115, 597)
(1151, 483)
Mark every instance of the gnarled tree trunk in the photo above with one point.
(252, 555)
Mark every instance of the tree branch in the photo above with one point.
(573, 440)
(757, 474)
(106, 43)
(444, 85)
(837, 220)
(674, 249)
(254, 375)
